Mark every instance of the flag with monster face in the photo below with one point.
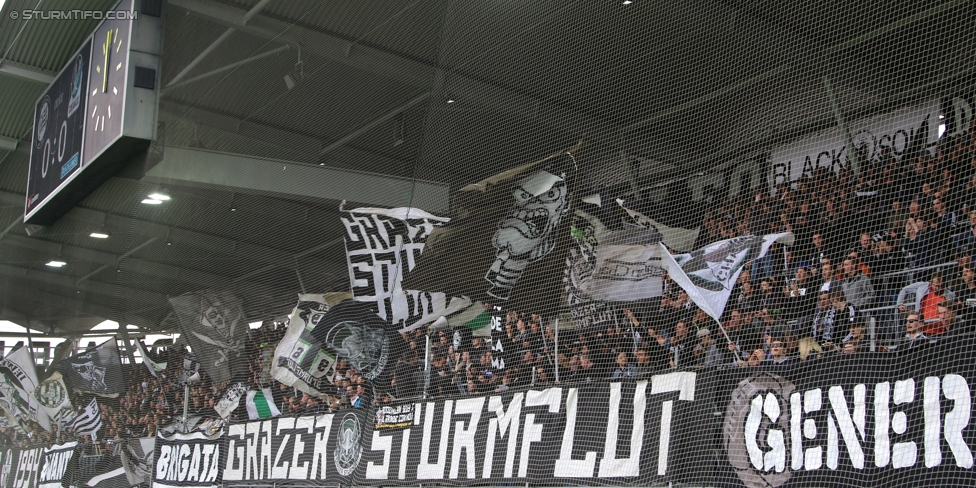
(507, 240)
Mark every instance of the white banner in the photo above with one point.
(903, 132)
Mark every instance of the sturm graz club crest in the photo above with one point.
(51, 393)
(756, 428)
(348, 451)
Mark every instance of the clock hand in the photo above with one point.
(106, 50)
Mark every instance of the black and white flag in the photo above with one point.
(109, 473)
(89, 421)
(137, 459)
(52, 395)
(97, 370)
(348, 331)
(216, 329)
(615, 259)
(18, 380)
(382, 246)
(709, 274)
(153, 366)
(507, 240)
(230, 400)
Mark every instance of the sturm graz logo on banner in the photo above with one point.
(757, 410)
(857, 431)
(348, 452)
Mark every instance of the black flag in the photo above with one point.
(507, 240)
(97, 370)
(214, 325)
(349, 331)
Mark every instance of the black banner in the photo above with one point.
(58, 466)
(193, 459)
(215, 326)
(607, 433)
(862, 420)
(320, 449)
(858, 420)
(25, 465)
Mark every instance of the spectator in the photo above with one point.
(822, 318)
(967, 294)
(800, 296)
(914, 326)
(827, 274)
(809, 349)
(624, 370)
(843, 315)
(948, 316)
(778, 350)
(819, 250)
(707, 350)
(857, 287)
(928, 295)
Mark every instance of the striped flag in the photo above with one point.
(89, 421)
(260, 405)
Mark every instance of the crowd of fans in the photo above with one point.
(897, 240)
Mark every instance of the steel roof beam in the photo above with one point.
(394, 66)
(25, 72)
(188, 166)
(84, 307)
(199, 279)
(111, 290)
(208, 242)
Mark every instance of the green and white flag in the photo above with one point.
(709, 274)
(260, 405)
(474, 320)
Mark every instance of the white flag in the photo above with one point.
(18, 379)
(710, 273)
(153, 366)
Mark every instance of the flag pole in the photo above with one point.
(186, 404)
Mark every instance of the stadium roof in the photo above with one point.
(395, 103)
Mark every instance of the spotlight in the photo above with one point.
(160, 194)
(55, 263)
(628, 2)
(152, 201)
(98, 235)
(450, 100)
